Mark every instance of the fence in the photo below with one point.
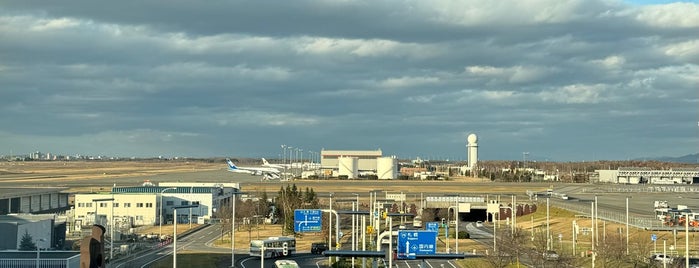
(644, 189)
(648, 223)
(72, 262)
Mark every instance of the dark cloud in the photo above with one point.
(568, 80)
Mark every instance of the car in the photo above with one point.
(662, 258)
(319, 247)
(479, 224)
(550, 255)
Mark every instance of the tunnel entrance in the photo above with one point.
(474, 215)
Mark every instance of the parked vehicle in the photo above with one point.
(550, 255)
(318, 248)
(661, 258)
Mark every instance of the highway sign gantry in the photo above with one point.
(307, 220)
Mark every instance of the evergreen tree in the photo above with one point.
(27, 242)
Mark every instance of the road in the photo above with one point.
(199, 241)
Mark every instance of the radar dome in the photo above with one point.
(472, 138)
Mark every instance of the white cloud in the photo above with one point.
(672, 15)
(405, 81)
(687, 49)
(575, 94)
(610, 62)
(515, 74)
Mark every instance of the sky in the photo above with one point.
(563, 80)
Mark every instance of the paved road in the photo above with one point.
(199, 241)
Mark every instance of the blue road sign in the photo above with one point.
(307, 220)
(411, 242)
(432, 226)
(653, 237)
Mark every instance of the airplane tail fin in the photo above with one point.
(231, 165)
(264, 161)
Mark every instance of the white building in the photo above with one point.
(632, 175)
(366, 160)
(143, 205)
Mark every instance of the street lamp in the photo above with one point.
(96, 204)
(38, 250)
(627, 225)
(160, 218)
(233, 228)
(174, 235)
(111, 224)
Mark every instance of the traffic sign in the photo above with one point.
(432, 226)
(307, 220)
(653, 237)
(413, 242)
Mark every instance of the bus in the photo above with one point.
(286, 264)
(273, 246)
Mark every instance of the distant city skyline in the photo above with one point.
(562, 80)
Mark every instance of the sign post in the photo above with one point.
(307, 220)
(432, 226)
(416, 242)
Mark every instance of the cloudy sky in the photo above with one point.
(564, 80)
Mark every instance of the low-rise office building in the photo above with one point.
(151, 205)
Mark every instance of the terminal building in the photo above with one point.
(636, 175)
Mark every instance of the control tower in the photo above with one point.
(472, 150)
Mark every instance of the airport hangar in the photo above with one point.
(351, 163)
(31, 210)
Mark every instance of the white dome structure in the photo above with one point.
(472, 138)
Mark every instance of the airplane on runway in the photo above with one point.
(265, 163)
(267, 172)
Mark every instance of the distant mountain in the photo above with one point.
(690, 158)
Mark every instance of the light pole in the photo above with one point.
(234, 197)
(174, 235)
(38, 250)
(190, 209)
(330, 229)
(111, 225)
(548, 247)
(160, 218)
(96, 204)
(627, 225)
(456, 219)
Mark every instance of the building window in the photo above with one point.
(184, 203)
(80, 205)
(116, 205)
(195, 202)
(88, 205)
(139, 218)
(169, 203)
(139, 205)
(127, 205)
(103, 205)
(149, 205)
